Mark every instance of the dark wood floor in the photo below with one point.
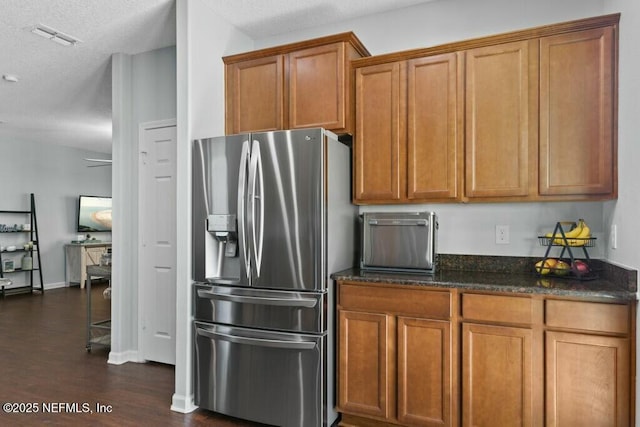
(43, 361)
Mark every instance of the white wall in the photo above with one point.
(203, 39)
(144, 90)
(57, 176)
(444, 21)
(624, 211)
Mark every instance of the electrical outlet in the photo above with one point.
(613, 236)
(502, 234)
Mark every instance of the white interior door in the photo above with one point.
(157, 250)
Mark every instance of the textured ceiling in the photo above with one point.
(263, 18)
(64, 93)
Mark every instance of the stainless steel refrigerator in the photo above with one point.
(272, 219)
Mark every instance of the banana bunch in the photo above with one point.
(577, 236)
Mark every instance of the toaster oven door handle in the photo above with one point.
(400, 222)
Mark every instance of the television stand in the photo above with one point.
(78, 256)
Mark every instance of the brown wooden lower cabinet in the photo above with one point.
(424, 372)
(366, 365)
(372, 371)
(497, 375)
(412, 356)
(394, 369)
(587, 380)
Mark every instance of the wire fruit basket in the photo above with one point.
(566, 265)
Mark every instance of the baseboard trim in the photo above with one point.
(182, 404)
(124, 357)
(49, 286)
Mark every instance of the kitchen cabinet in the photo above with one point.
(366, 385)
(408, 142)
(434, 128)
(395, 356)
(497, 361)
(588, 364)
(300, 85)
(587, 380)
(415, 355)
(379, 167)
(523, 116)
(577, 106)
(500, 104)
(424, 371)
(255, 95)
(497, 376)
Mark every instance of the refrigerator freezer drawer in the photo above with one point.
(268, 377)
(261, 308)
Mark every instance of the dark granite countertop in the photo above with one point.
(508, 275)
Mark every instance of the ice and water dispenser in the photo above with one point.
(220, 258)
(225, 230)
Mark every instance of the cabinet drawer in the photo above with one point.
(496, 308)
(588, 316)
(398, 299)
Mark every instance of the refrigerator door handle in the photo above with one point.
(256, 204)
(291, 302)
(260, 342)
(242, 202)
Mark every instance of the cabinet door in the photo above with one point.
(587, 380)
(380, 149)
(75, 258)
(434, 145)
(424, 372)
(499, 111)
(317, 87)
(496, 372)
(93, 255)
(577, 153)
(255, 95)
(366, 364)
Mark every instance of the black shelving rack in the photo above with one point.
(33, 251)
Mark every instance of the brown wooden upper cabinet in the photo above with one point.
(379, 167)
(578, 100)
(524, 116)
(299, 85)
(500, 100)
(408, 141)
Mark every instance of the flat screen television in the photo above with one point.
(94, 214)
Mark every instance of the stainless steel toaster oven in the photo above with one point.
(399, 241)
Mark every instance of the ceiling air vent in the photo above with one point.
(55, 35)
